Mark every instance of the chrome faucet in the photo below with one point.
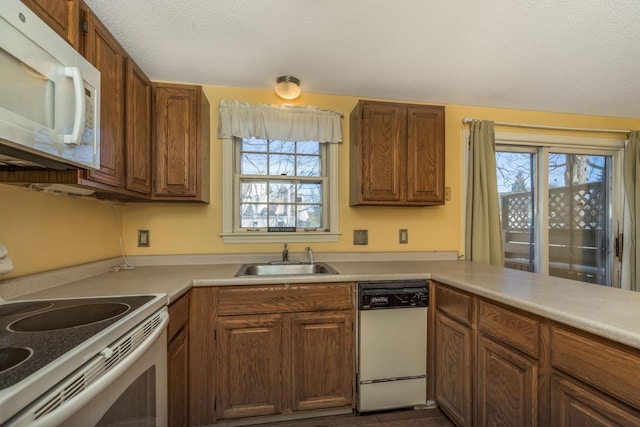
(285, 253)
(310, 254)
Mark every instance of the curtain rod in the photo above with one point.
(468, 120)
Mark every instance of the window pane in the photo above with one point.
(281, 215)
(282, 164)
(516, 178)
(282, 147)
(308, 166)
(281, 192)
(253, 144)
(253, 164)
(309, 216)
(253, 191)
(308, 147)
(253, 215)
(578, 226)
(310, 193)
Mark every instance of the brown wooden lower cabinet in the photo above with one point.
(499, 366)
(322, 360)
(453, 366)
(178, 363)
(271, 364)
(574, 404)
(271, 349)
(250, 365)
(507, 386)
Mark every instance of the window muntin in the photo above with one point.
(281, 185)
(557, 211)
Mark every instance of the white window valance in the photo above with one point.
(278, 122)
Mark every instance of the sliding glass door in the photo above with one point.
(557, 211)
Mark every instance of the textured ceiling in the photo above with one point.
(574, 56)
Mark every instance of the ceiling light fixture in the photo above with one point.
(288, 87)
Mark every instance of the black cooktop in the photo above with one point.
(35, 333)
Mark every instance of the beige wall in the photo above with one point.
(44, 231)
(47, 231)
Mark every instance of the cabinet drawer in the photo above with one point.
(519, 331)
(454, 303)
(178, 316)
(604, 365)
(284, 298)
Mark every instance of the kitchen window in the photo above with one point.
(279, 189)
(560, 201)
(280, 185)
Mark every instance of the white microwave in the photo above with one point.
(49, 94)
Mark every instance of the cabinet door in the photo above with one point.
(104, 52)
(453, 354)
(250, 361)
(573, 404)
(178, 380)
(178, 363)
(323, 372)
(181, 126)
(507, 386)
(138, 134)
(425, 154)
(383, 152)
(61, 15)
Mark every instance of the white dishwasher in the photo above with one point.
(392, 344)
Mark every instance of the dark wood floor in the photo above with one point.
(416, 418)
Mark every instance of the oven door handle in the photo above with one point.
(57, 397)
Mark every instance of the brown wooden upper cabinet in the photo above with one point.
(138, 149)
(61, 15)
(396, 154)
(181, 138)
(125, 116)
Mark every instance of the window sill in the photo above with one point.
(265, 237)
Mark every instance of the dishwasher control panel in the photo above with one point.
(393, 294)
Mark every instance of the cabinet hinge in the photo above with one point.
(85, 26)
(215, 334)
(362, 189)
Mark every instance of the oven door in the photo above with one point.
(124, 385)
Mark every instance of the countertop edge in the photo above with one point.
(609, 313)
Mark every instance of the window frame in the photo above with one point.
(230, 203)
(542, 145)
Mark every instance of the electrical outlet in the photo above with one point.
(403, 236)
(143, 238)
(360, 237)
(447, 194)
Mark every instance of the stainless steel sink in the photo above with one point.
(278, 269)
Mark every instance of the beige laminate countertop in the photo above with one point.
(607, 312)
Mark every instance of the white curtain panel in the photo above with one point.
(279, 122)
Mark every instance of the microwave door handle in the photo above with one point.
(79, 117)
